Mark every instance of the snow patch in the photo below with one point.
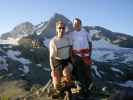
(46, 69)
(116, 41)
(103, 55)
(104, 51)
(102, 43)
(25, 69)
(39, 65)
(3, 64)
(127, 84)
(13, 41)
(116, 70)
(31, 50)
(8, 47)
(13, 55)
(96, 71)
(129, 57)
(10, 74)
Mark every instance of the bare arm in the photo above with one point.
(52, 51)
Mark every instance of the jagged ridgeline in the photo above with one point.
(24, 58)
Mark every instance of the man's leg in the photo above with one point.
(56, 78)
(77, 68)
(84, 76)
(67, 74)
(88, 80)
(88, 73)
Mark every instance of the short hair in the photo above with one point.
(59, 22)
(77, 19)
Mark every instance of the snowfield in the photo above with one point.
(13, 41)
(116, 70)
(25, 69)
(96, 71)
(128, 83)
(104, 51)
(14, 55)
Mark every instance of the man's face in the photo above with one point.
(77, 25)
(60, 30)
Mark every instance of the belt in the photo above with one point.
(81, 52)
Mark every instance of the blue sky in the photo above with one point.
(115, 15)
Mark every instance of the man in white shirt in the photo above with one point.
(82, 48)
(60, 52)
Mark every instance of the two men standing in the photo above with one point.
(76, 50)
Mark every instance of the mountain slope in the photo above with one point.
(116, 38)
(48, 30)
(20, 30)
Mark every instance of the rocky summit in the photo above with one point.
(25, 69)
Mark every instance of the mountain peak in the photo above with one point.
(23, 26)
(58, 15)
(27, 22)
(20, 30)
(61, 17)
(48, 30)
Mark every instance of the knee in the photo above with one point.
(67, 71)
(56, 85)
(55, 79)
(67, 74)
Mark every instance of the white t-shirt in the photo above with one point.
(60, 48)
(80, 39)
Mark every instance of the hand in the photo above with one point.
(53, 72)
(53, 69)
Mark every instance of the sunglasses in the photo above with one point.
(61, 28)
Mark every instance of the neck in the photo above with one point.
(78, 29)
(59, 36)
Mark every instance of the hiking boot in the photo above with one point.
(87, 93)
(68, 95)
(58, 95)
(84, 93)
(81, 95)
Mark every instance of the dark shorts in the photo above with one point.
(59, 66)
(61, 63)
(81, 71)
